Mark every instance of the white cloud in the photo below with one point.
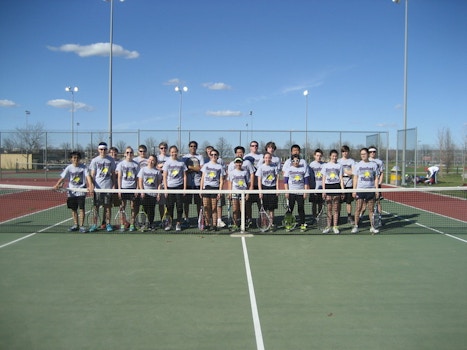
(97, 49)
(217, 86)
(226, 113)
(7, 103)
(61, 103)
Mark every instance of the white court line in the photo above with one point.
(254, 307)
(427, 227)
(34, 233)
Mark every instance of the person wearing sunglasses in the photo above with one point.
(297, 178)
(142, 158)
(194, 162)
(221, 201)
(365, 176)
(373, 156)
(212, 178)
(316, 175)
(174, 178)
(127, 171)
(162, 157)
(102, 175)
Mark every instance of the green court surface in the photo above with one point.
(191, 291)
(404, 288)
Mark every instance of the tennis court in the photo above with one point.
(401, 289)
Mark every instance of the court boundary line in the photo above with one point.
(33, 234)
(254, 306)
(428, 227)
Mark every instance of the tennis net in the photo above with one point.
(27, 209)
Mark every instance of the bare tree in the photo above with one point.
(151, 144)
(224, 148)
(446, 148)
(30, 138)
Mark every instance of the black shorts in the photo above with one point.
(130, 197)
(75, 203)
(330, 187)
(210, 195)
(253, 197)
(270, 200)
(316, 198)
(192, 197)
(348, 198)
(366, 196)
(101, 198)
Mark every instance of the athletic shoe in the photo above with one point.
(335, 229)
(82, 229)
(220, 223)
(73, 228)
(327, 229)
(303, 227)
(374, 230)
(350, 220)
(93, 228)
(103, 226)
(132, 228)
(186, 223)
(234, 228)
(178, 227)
(109, 228)
(215, 228)
(122, 229)
(355, 229)
(168, 228)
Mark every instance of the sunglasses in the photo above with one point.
(253, 145)
(162, 147)
(129, 152)
(214, 155)
(142, 151)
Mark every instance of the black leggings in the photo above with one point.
(175, 198)
(149, 204)
(298, 198)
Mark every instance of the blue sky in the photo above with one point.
(236, 57)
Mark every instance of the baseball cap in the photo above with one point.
(102, 145)
(238, 160)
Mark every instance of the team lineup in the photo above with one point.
(263, 172)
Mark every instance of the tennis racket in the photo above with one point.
(263, 221)
(289, 222)
(376, 221)
(166, 220)
(120, 218)
(322, 218)
(201, 219)
(229, 213)
(92, 220)
(141, 220)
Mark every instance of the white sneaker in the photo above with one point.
(178, 227)
(374, 230)
(354, 229)
(335, 229)
(326, 230)
(220, 223)
(168, 228)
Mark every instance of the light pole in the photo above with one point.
(305, 93)
(406, 42)
(181, 90)
(72, 90)
(77, 135)
(110, 66)
(27, 115)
